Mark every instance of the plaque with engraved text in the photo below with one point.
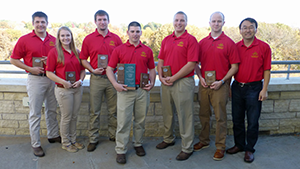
(71, 77)
(210, 77)
(126, 75)
(37, 62)
(144, 79)
(102, 61)
(166, 71)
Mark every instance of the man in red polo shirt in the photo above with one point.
(179, 51)
(248, 91)
(218, 57)
(33, 48)
(100, 43)
(132, 102)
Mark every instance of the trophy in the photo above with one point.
(166, 71)
(210, 77)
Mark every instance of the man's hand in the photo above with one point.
(98, 71)
(76, 84)
(166, 81)
(216, 85)
(149, 86)
(263, 95)
(44, 60)
(120, 87)
(36, 70)
(203, 83)
(67, 85)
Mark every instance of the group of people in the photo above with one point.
(56, 70)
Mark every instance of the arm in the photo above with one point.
(186, 69)
(57, 79)
(20, 64)
(263, 95)
(112, 79)
(152, 76)
(88, 66)
(217, 84)
(198, 72)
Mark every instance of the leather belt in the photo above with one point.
(103, 76)
(247, 84)
(60, 86)
(41, 74)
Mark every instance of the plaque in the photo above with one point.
(37, 62)
(71, 77)
(210, 77)
(102, 61)
(166, 71)
(144, 79)
(126, 75)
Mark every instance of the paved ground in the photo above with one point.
(272, 152)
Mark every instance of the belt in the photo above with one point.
(103, 76)
(247, 84)
(41, 74)
(60, 86)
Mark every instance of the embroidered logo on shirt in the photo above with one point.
(255, 55)
(180, 44)
(112, 43)
(143, 54)
(220, 46)
(51, 43)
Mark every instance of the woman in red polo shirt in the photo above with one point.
(65, 69)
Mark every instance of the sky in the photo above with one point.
(159, 11)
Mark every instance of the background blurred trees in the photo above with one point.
(283, 40)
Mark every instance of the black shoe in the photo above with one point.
(112, 139)
(121, 158)
(92, 146)
(38, 151)
(164, 145)
(140, 151)
(56, 139)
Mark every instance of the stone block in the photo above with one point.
(84, 109)
(7, 131)
(273, 95)
(9, 124)
(290, 95)
(266, 125)
(14, 116)
(14, 96)
(43, 125)
(289, 122)
(279, 115)
(154, 119)
(83, 118)
(6, 106)
(151, 109)
(82, 125)
(23, 132)
(23, 124)
(281, 106)
(267, 106)
(1, 95)
(294, 105)
(19, 108)
(158, 109)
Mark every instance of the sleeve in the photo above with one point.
(18, 51)
(151, 64)
(267, 58)
(114, 60)
(161, 54)
(84, 54)
(234, 56)
(193, 50)
(51, 60)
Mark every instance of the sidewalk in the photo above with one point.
(272, 152)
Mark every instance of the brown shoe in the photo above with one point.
(112, 139)
(233, 150)
(92, 146)
(38, 151)
(140, 151)
(199, 146)
(164, 145)
(249, 157)
(219, 155)
(183, 156)
(56, 139)
(121, 158)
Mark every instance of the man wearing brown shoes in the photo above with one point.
(179, 51)
(219, 62)
(248, 90)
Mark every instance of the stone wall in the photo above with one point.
(280, 113)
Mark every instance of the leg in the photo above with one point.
(77, 96)
(111, 96)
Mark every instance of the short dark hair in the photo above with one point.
(182, 13)
(101, 13)
(39, 14)
(134, 23)
(251, 20)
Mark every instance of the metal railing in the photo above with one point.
(284, 62)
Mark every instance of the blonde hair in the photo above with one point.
(60, 52)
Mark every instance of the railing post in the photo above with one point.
(288, 74)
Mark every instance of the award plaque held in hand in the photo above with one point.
(71, 77)
(37, 62)
(210, 77)
(144, 79)
(102, 61)
(126, 75)
(166, 71)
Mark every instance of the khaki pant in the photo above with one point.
(69, 101)
(218, 100)
(132, 106)
(180, 98)
(41, 89)
(99, 87)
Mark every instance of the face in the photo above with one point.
(216, 23)
(40, 24)
(65, 37)
(248, 30)
(102, 22)
(179, 23)
(134, 34)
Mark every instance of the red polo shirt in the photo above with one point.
(255, 59)
(141, 56)
(71, 63)
(95, 44)
(31, 45)
(177, 51)
(217, 55)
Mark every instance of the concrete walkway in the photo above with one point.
(272, 152)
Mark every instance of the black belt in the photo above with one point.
(103, 76)
(41, 74)
(247, 84)
(60, 86)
